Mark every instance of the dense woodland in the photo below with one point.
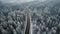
(45, 18)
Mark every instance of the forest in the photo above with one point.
(45, 17)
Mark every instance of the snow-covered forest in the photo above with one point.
(45, 17)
